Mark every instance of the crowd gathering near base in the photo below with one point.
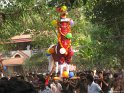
(83, 82)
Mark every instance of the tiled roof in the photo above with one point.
(13, 61)
(20, 40)
(21, 37)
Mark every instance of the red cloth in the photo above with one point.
(47, 82)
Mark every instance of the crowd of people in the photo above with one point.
(84, 82)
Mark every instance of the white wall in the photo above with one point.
(27, 52)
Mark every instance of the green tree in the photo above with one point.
(26, 17)
(94, 42)
(110, 14)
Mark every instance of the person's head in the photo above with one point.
(83, 76)
(100, 74)
(4, 78)
(90, 78)
(65, 80)
(73, 80)
(115, 76)
(106, 75)
(56, 80)
(41, 81)
(58, 74)
(13, 79)
(20, 77)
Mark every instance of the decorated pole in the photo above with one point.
(62, 52)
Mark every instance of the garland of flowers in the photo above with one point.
(59, 36)
(59, 39)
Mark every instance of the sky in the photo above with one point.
(5, 3)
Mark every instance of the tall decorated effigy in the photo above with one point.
(60, 55)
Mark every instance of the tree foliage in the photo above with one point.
(36, 59)
(109, 14)
(97, 34)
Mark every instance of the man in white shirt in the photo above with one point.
(92, 86)
(56, 87)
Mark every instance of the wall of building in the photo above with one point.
(27, 52)
(14, 69)
(10, 70)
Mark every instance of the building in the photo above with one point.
(14, 59)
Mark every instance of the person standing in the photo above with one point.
(56, 86)
(82, 83)
(43, 87)
(92, 86)
(1, 66)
